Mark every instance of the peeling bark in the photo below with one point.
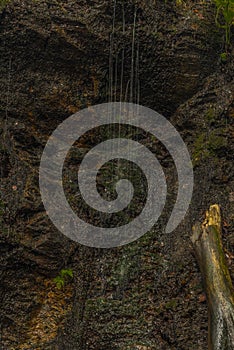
(208, 247)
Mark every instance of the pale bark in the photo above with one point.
(208, 247)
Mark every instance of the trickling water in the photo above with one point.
(123, 84)
(123, 55)
(133, 58)
(116, 78)
(111, 70)
(131, 91)
(126, 91)
(111, 55)
(137, 93)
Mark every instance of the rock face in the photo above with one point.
(55, 60)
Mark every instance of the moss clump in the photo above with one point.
(63, 277)
(3, 4)
(200, 149)
(211, 116)
(208, 145)
(171, 305)
(216, 142)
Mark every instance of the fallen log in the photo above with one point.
(208, 247)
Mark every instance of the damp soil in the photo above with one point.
(55, 61)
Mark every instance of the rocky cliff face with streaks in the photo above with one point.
(54, 61)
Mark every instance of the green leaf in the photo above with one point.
(223, 56)
(66, 272)
(59, 281)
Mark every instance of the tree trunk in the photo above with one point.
(207, 242)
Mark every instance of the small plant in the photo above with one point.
(224, 56)
(225, 16)
(63, 277)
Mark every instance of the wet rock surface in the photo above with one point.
(54, 60)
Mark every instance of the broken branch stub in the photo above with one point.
(208, 247)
